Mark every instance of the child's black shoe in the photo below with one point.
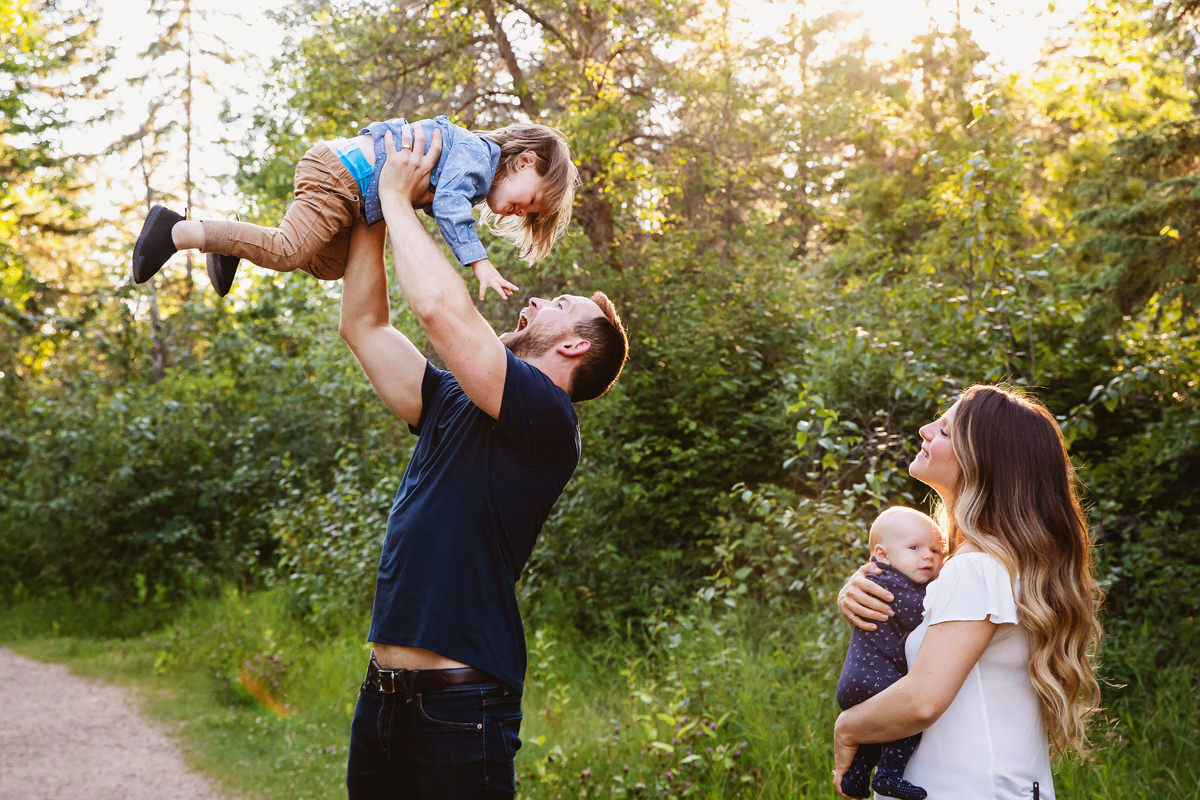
(154, 245)
(895, 787)
(221, 270)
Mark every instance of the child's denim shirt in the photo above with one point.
(460, 180)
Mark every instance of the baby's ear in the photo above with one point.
(879, 552)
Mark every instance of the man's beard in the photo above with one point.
(528, 344)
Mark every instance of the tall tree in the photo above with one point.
(1143, 229)
(179, 62)
(49, 66)
(594, 69)
(1122, 119)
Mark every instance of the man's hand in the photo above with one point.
(490, 278)
(862, 599)
(436, 293)
(406, 171)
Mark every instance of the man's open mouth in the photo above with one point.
(522, 321)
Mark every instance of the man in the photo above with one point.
(440, 709)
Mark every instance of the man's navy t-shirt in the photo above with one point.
(469, 509)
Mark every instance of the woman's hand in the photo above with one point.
(843, 754)
(862, 599)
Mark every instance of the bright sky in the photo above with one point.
(130, 28)
(1013, 31)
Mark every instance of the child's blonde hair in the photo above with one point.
(895, 518)
(535, 233)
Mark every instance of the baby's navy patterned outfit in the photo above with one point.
(874, 661)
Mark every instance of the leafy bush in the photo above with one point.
(113, 477)
(329, 541)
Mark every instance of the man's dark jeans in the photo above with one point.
(452, 743)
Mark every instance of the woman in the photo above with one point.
(1005, 655)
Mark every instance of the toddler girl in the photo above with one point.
(523, 174)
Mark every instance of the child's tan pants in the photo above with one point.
(315, 232)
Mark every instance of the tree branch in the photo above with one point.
(547, 25)
(510, 59)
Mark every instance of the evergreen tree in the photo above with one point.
(1142, 229)
(49, 67)
(179, 62)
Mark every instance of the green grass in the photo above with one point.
(1150, 747)
(734, 705)
(187, 674)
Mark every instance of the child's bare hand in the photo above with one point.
(490, 278)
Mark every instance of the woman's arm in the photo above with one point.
(913, 703)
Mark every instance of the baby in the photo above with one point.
(907, 545)
(521, 177)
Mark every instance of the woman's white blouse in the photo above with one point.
(990, 744)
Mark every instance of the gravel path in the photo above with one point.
(65, 736)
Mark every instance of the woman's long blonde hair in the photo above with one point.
(1016, 500)
(534, 234)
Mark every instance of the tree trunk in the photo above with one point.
(158, 348)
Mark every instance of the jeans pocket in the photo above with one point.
(511, 730)
(451, 710)
(446, 743)
(502, 719)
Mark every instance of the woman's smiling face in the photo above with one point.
(935, 464)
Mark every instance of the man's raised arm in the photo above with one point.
(393, 364)
(434, 290)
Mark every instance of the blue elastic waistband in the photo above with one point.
(354, 160)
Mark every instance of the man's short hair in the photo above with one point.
(599, 367)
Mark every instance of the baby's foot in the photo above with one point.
(154, 245)
(896, 787)
(856, 782)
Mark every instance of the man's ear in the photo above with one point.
(573, 348)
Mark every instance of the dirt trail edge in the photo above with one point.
(66, 736)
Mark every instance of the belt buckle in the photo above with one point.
(387, 681)
(396, 681)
